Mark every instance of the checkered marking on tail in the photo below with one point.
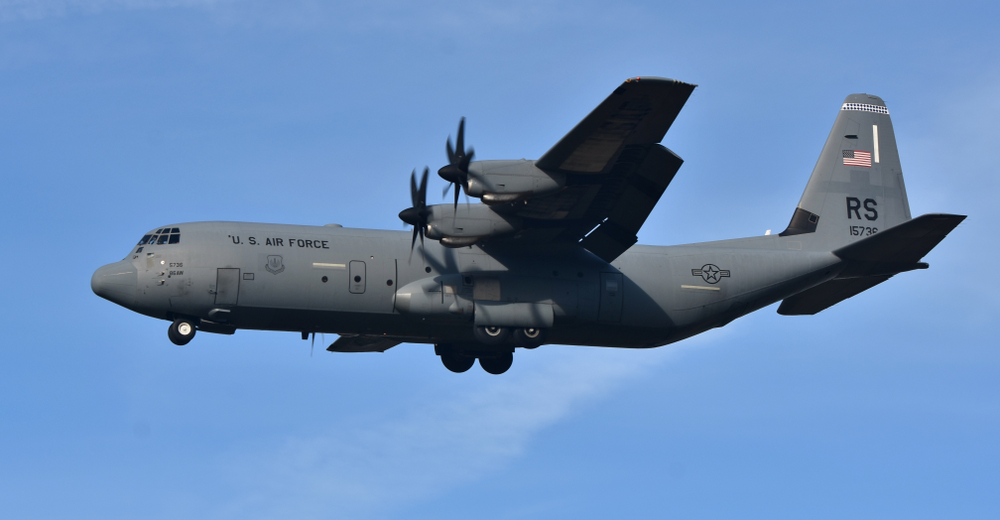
(864, 107)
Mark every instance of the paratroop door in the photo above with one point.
(357, 273)
(611, 298)
(227, 286)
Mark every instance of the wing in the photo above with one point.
(615, 170)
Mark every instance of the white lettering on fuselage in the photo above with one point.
(303, 243)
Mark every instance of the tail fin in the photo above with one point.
(856, 188)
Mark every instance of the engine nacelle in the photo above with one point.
(499, 182)
(467, 224)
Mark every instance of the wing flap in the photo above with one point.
(629, 206)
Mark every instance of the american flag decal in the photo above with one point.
(857, 158)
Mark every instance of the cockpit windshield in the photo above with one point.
(162, 236)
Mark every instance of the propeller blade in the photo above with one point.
(459, 159)
(417, 214)
(465, 163)
(423, 189)
(413, 188)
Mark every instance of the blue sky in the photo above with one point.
(122, 115)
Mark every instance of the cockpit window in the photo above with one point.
(162, 236)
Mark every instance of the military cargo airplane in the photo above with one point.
(549, 253)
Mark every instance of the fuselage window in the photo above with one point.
(175, 238)
(145, 239)
(162, 239)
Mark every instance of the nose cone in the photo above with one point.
(116, 282)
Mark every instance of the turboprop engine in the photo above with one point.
(453, 226)
(468, 224)
(498, 182)
(494, 182)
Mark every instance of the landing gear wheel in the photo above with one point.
(181, 331)
(497, 364)
(491, 335)
(529, 338)
(457, 363)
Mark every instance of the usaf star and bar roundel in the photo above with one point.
(710, 273)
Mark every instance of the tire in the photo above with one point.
(181, 331)
(497, 364)
(529, 338)
(492, 335)
(457, 363)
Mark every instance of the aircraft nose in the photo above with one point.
(116, 282)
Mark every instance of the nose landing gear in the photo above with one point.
(181, 331)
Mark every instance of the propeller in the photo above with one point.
(417, 215)
(457, 171)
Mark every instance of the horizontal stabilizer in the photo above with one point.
(364, 344)
(873, 260)
(898, 248)
(827, 295)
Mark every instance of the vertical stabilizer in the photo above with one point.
(856, 188)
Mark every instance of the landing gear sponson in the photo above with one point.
(495, 350)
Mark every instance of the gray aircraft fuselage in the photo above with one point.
(348, 281)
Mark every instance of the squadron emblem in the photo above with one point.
(710, 273)
(274, 264)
